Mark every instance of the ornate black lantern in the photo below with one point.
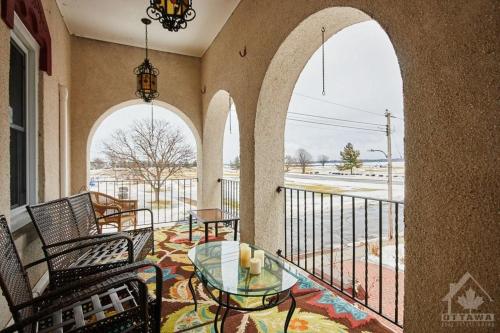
(146, 74)
(172, 14)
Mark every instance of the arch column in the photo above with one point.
(274, 98)
(213, 141)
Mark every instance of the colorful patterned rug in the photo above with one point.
(318, 309)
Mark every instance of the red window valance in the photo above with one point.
(31, 14)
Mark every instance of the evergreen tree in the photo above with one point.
(236, 163)
(350, 158)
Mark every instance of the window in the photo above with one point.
(17, 102)
(23, 118)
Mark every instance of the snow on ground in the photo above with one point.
(389, 257)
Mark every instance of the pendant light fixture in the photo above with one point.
(146, 74)
(172, 14)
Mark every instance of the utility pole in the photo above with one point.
(389, 175)
(388, 156)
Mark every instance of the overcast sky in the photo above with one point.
(361, 71)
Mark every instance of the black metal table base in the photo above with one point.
(268, 301)
(235, 222)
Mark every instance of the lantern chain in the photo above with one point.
(147, 41)
(323, 58)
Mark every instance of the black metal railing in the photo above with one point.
(169, 202)
(230, 196)
(341, 239)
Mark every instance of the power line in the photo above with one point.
(338, 104)
(338, 119)
(334, 125)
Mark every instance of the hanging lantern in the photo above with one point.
(172, 14)
(146, 74)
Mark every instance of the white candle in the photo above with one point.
(259, 254)
(245, 255)
(255, 265)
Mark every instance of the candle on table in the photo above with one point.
(259, 254)
(245, 255)
(255, 265)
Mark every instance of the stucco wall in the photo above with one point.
(48, 134)
(103, 76)
(446, 51)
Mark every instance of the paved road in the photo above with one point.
(353, 179)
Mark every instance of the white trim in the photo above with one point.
(25, 41)
(63, 142)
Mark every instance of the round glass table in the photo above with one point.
(217, 266)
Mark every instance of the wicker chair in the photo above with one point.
(105, 204)
(73, 246)
(113, 301)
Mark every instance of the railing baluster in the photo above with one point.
(322, 231)
(342, 243)
(178, 201)
(165, 205)
(305, 229)
(331, 239)
(314, 233)
(144, 199)
(291, 224)
(397, 263)
(380, 257)
(285, 224)
(298, 229)
(366, 251)
(222, 184)
(353, 247)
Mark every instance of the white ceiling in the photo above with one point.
(119, 21)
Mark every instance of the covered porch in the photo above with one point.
(80, 71)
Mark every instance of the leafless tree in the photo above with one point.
(289, 161)
(323, 159)
(150, 151)
(303, 158)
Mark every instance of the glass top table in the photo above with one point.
(217, 266)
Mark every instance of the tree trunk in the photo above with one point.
(303, 169)
(351, 171)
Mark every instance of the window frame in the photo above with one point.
(25, 42)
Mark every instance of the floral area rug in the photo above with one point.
(318, 309)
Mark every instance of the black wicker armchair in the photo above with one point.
(73, 247)
(112, 301)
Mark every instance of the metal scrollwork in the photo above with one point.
(181, 12)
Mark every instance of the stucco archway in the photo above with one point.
(213, 140)
(167, 106)
(274, 98)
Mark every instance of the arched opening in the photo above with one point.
(147, 153)
(221, 139)
(303, 215)
(230, 184)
